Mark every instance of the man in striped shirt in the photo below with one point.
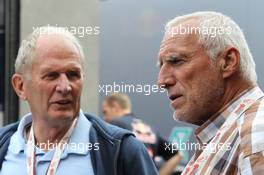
(209, 73)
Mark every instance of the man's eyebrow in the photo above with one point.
(47, 69)
(165, 58)
(169, 58)
(52, 69)
(75, 69)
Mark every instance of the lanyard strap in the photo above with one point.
(31, 156)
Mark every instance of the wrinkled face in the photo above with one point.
(109, 111)
(192, 80)
(54, 89)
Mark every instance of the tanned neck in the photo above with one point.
(234, 89)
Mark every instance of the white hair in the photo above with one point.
(216, 42)
(25, 54)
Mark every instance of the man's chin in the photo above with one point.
(178, 117)
(63, 115)
(182, 117)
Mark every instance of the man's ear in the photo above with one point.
(19, 86)
(229, 62)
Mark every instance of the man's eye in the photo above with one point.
(52, 75)
(73, 74)
(174, 60)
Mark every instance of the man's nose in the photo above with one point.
(165, 77)
(64, 85)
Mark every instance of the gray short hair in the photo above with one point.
(216, 42)
(25, 54)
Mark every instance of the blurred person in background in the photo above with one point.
(117, 110)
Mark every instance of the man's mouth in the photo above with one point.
(63, 102)
(173, 97)
(176, 100)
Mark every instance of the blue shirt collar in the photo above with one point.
(78, 143)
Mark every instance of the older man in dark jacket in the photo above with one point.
(57, 137)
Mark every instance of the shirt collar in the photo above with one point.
(208, 130)
(77, 143)
(18, 141)
(80, 141)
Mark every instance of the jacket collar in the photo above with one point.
(80, 135)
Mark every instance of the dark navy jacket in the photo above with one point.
(119, 152)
